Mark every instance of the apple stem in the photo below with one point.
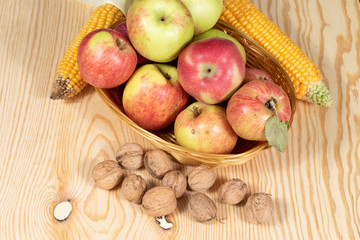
(167, 76)
(196, 111)
(119, 43)
(271, 105)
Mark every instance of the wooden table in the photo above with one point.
(48, 148)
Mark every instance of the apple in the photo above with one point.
(203, 127)
(159, 30)
(105, 58)
(218, 33)
(251, 106)
(211, 69)
(256, 74)
(121, 28)
(153, 96)
(205, 13)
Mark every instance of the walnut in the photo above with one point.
(159, 201)
(107, 174)
(176, 180)
(201, 207)
(259, 208)
(201, 178)
(158, 162)
(130, 156)
(232, 191)
(133, 188)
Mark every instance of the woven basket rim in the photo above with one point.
(151, 136)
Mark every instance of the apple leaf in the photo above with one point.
(276, 132)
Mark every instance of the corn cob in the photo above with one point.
(68, 81)
(305, 76)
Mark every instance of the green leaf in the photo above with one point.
(276, 132)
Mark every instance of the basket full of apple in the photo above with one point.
(190, 83)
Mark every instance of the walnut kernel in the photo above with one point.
(202, 208)
(133, 188)
(130, 156)
(176, 180)
(232, 191)
(201, 178)
(107, 174)
(159, 201)
(259, 208)
(158, 162)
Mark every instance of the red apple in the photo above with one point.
(121, 28)
(256, 74)
(106, 59)
(153, 96)
(250, 107)
(211, 69)
(204, 128)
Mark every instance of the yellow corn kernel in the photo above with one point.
(68, 81)
(244, 16)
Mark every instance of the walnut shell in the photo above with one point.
(201, 178)
(133, 188)
(159, 201)
(176, 180)
(259, 208)
(130, 156)
(202, 208)
(158, 162)
(233, 191)
(107, 174)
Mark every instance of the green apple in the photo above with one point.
(205, 13)
(160, 29)
(218, 33)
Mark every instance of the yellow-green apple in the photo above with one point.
(205, 13)
(121, 28)
(203, 127)
(218, 33)
(159, 29)
(253, 104)
(106, 59)
(211, 69)
(256, 74)
(153, 96)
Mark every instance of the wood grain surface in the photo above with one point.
(48, 148)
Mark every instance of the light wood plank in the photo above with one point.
(48, 148)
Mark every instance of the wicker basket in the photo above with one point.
(245, 150)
